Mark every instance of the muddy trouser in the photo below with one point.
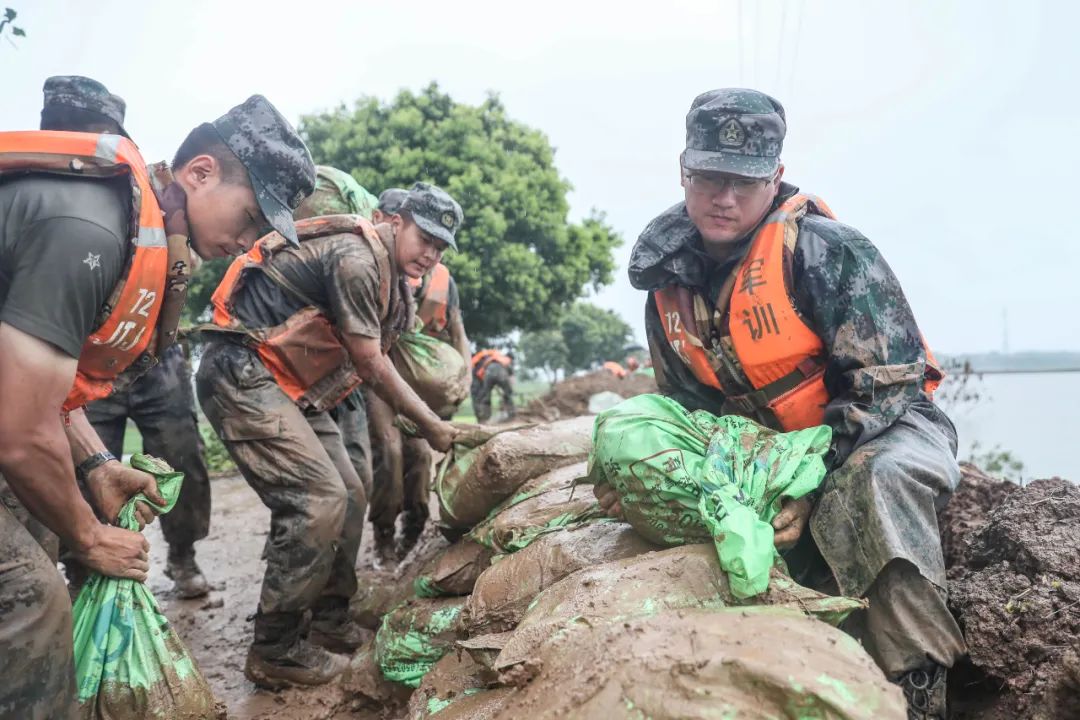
(417, 481)
(875, 525)
(495, 376)
(387, 487)
(300, 469)
(162, 405)
(37, 669)
(351, 418)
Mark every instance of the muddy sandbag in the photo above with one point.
(754, 662)
(129, 661)
(678, 578)
(544, 504)
(503, 592)
(476, 477)
(449, 683)
(454, 570)
(414, 636)
(687, 476)
(433, 369)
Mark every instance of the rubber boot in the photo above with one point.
(385, 556)
(925, 692)
(280, 656)
(333, 629)
(188, 580)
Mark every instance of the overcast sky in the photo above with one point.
(945, 131)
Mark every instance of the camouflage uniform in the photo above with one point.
(162, 404)
(893, 459)
(99, 108)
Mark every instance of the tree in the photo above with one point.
(520, 261)
(544, 350)
(8, 22)
(586, 336)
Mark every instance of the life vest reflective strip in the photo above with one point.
(482, 359)
(136, 299)
(777, 353)
(435, 305)
(328, 353)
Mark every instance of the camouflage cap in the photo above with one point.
(336, 193)
(390, 200)
(278, 163)
(735, 131)
(86, 94)
(434, 211)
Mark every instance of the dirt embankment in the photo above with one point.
(570, 398)
(1013, 555)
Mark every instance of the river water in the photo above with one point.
(1033, 416)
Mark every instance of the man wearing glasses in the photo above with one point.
(762, 304)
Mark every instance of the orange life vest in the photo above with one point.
(484, 358)
(123, 339)
(775, 351)
(305, 353)
(615, 369)
(435, 304)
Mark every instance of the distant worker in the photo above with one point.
(492, 369)
(90, 291)
(760, 303)
(161, 402)
(303, 324)
(632, 364)
(615, 369)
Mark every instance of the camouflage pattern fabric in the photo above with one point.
(336, 193)
(351, 418)
(36, 660)
(735, 131)
(434, 211)
(162, 404)
(387, 487)
(894, 450)
(496, 376)
(277, 161)
(85, 94)
(300, 469)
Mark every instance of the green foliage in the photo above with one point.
(203, 283)
(997, 462)
(217, 457)
(520, 262)
(8, 19)
(586, 336)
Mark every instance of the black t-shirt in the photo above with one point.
(63, 244)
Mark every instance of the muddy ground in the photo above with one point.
(570, 398)
(216, 628)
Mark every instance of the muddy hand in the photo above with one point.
(174, 204)
(112, 484)
(117, 553)
(441, 436)
(790, 522)
(609, 501)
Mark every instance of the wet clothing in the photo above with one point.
(61, 232)
(300, 469)
(162, 404)
(36, 657)
(351, 418)
(893, 458)
(402, 472)
(496, 376)
(453, 304)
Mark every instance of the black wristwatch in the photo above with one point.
(94, 461)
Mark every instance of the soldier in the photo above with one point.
(161, 402)
(761, 304)
(492, 369)
(88, 298)
(403, 464)
(301, 327)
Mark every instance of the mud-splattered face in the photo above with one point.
(415, 251)
(725, 208)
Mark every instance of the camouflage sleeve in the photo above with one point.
(856, 305)
(673, 378)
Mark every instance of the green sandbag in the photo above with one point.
(433, 369)
(129, 662)
(414, 636)
(685, 477)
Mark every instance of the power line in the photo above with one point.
(795, 51)
(739, 46)
(780, 45)
(757, 43)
